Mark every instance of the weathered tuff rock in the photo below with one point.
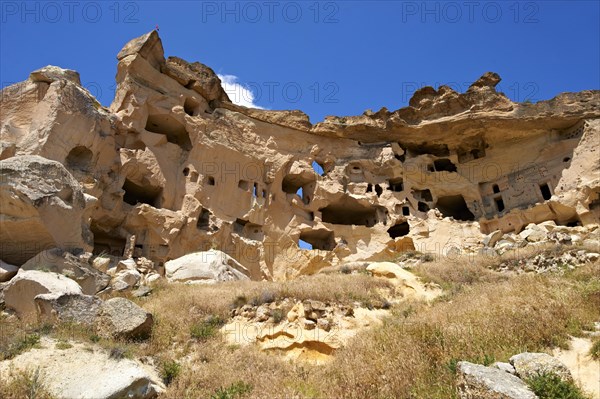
(207, 267)
(61, 307)
(75, 267)
(20, 292)
(49, 74)
(121, 318)
(178, 167)
(528, 365)
(480, 382)
(42, 206)
(409, 284)
(84, 372)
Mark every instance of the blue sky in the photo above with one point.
(325, 58)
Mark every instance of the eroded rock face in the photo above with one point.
(178, 168)
(42, 206)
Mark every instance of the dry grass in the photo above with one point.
(415, 356)
(24, 385)
(486, 317)
(179, 309)
(453, 274)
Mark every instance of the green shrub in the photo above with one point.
(62, 345)
(119, 353)
(278, 315)
(27, 342)
(207, 328)
(236, 390)
(170, 370)
(239, 301)
(551, 386)
(266, 296)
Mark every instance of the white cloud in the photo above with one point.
(237, 92)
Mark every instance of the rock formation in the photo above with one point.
(173, 167)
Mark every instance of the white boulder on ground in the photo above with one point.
(20, 292)
(85, 372)
(481, 382)
(205, 267)
(530, 365)
(121, 318)
(75, 267)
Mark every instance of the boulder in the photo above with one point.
(60, 307)
(7, 271)
(20, 292)
(41, 206)
(51, 73)
(491, 239)
(85, 372)
(206, 267)
(126, 264)
(121, 318)
(480, 382)
(125, 279)
(504, 367)
(528, 365)
(75, 267)
(101, 263)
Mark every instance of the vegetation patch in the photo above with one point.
(551, 386)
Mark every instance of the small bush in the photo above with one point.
(551, 386)
(62, 345)
(266, 296)
(236, 390)
(27, 385)
(119, 353)
(22, 345)
(170, 370)
(207, 328)
(278, 315)
(345, 269)
(239, 301)
(427, 257)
